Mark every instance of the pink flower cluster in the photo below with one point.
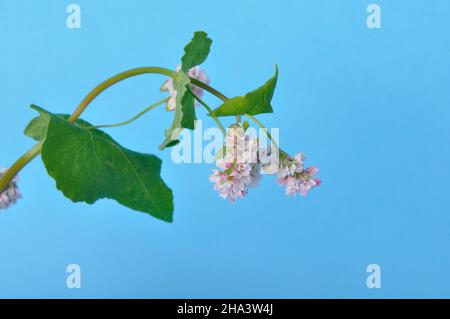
(241, 167)
(195, 73)
(297, 179)
(9, 196)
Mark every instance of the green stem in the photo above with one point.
(151, 107)
(254, 119)
(35, 150)
(18, 165)
(211, 90)
(210, 111)
(113, 80)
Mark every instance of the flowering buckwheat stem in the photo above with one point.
(35, 150)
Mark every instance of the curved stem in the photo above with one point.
(18, 165)
(151, 107)
(254, 119)
(210, 111)
(110, 82)
(35, 150)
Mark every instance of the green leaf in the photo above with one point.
(88, 165)
(255, 102)
(184, 116)
(196, 52)
(37, 128)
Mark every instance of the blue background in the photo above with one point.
(370, 107)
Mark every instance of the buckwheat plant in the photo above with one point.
(87, 164)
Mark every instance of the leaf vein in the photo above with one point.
(137, 175)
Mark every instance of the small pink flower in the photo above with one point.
(195, 73)
(11, 194)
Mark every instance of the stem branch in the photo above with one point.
(254, 119)
(210, 111)
(151, 107)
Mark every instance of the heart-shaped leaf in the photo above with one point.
(255, 102)
(88, 165)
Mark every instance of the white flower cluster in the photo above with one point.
(240, 168)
